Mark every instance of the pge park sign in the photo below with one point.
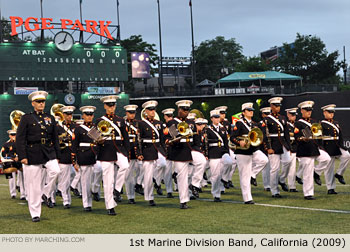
(99, 28)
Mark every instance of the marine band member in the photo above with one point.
(265, 111)
(37, 145)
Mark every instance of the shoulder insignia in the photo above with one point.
(73, 136)
(166, 131)
(263, 124)
(296, 130)
(235, 128)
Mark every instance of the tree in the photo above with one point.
(307, 57)
(252, 64)
(6, 30)
(212, 56)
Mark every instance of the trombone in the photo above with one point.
(254, 138)
(183, 129)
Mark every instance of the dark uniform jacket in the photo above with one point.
(293, 142)
(37, 138)
(227, 125)
(151, 142)
(241, 130)
(305, 148)
(83, 155)
(280, 136)
(332, 131)
(263, 146)
(181, 150)
(217, 142)
(8, 151)
(118, 143)
(66, 142)
(132, 128)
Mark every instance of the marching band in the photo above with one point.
(53, 155)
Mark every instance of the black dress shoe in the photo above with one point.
(253, 181)
(331, 191)
(23, 198)
(117, 197)
(111, 212)
(250, 202)
(13, 197)
(18, 188)
(75, 191)
(139, 189)
(59, 193)
(340, 178)
(283, 186)
(192, 197)
(299, 180)
(95, 196)
(183, 206)
(47, 201)
(194, 191)
(277, 195)
(200, 190)
(174, 176)
(131, 201)
(222, 192)
(231, 184)
(152, 203)
(67, 206)
(36, 219)
(170, 195)
(87, 209)
(226, 185)
(267, 189)
(205, 177)
(293, 190)
(217, 199)
(317, 179)
(159, 191)
(309, 197)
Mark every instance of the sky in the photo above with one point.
(257, 25)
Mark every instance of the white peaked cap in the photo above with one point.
(265, 110)
(191, 116)
(275, 100)
(38, 95)
(184, 103)
(306, 104)
(88, 109)
(201, 120)
(109, 98)
(214, 112)
(168, 111)
(221, 108)
(292, 110)
(68, 109)
(130, 107)
(248, 106)
(149, 104)
(330, 107)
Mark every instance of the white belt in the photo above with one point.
(330, 138)
(150, 141)
(85, 144)
(186, 140)
(66, 144)
(215, 144)
(132, 135)
(132, 140)
(292, 138)
(275, 135)
(116, 138)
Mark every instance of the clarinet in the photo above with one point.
(206, 143)
(138, 138)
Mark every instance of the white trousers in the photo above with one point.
(139, 174)
(182, 180)
(168, 172)
(20, 180)
(275, 162)
(234, 166)
(86, 173)
(123, 164)
(158, 172)
(260, 161)
(344, 161)
(218, 166)
(244, 163)
(289, 171)
(130, 179)
(307, 165)
(64, 182)
(148, 169)
(12, 184)
(32, 182)
(97, 177)
(300, 170)
(76, 181)
(323, 161)
(198, 161)
(108, 183)
(266, 175)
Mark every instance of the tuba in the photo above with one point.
(15, 118)
(144, 115)
(316, 130)
(56, 111)
(254, 138)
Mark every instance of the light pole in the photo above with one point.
(160, 66)
(193, 58)
(223, 54)
(118, 33)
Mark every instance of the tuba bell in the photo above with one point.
(254, 138)
(56, 111)
(144, 115)
(15, 118)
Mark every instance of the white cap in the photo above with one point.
(37, 95)
(184, 103)
(79, 121)
(88, 109)
(214, 113)
(276, 100)
(11, 131)
(330, 107)
(291, 110)
(168, 111)
(130, 107)
(221, 108)
(191, 116)
(306, 104)
(248, 106)
(149, 104)
(265, 110)
(109, 98)
(68, 109)
(201, 120)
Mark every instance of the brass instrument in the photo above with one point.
(254, 138)
(63, 139)
(316, 130)
(15, 118)
(105, 127)
(56, 112)
(198, 113)
(144, 115)
(182, 129)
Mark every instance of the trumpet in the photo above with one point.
(183, 129)
(254, 138)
